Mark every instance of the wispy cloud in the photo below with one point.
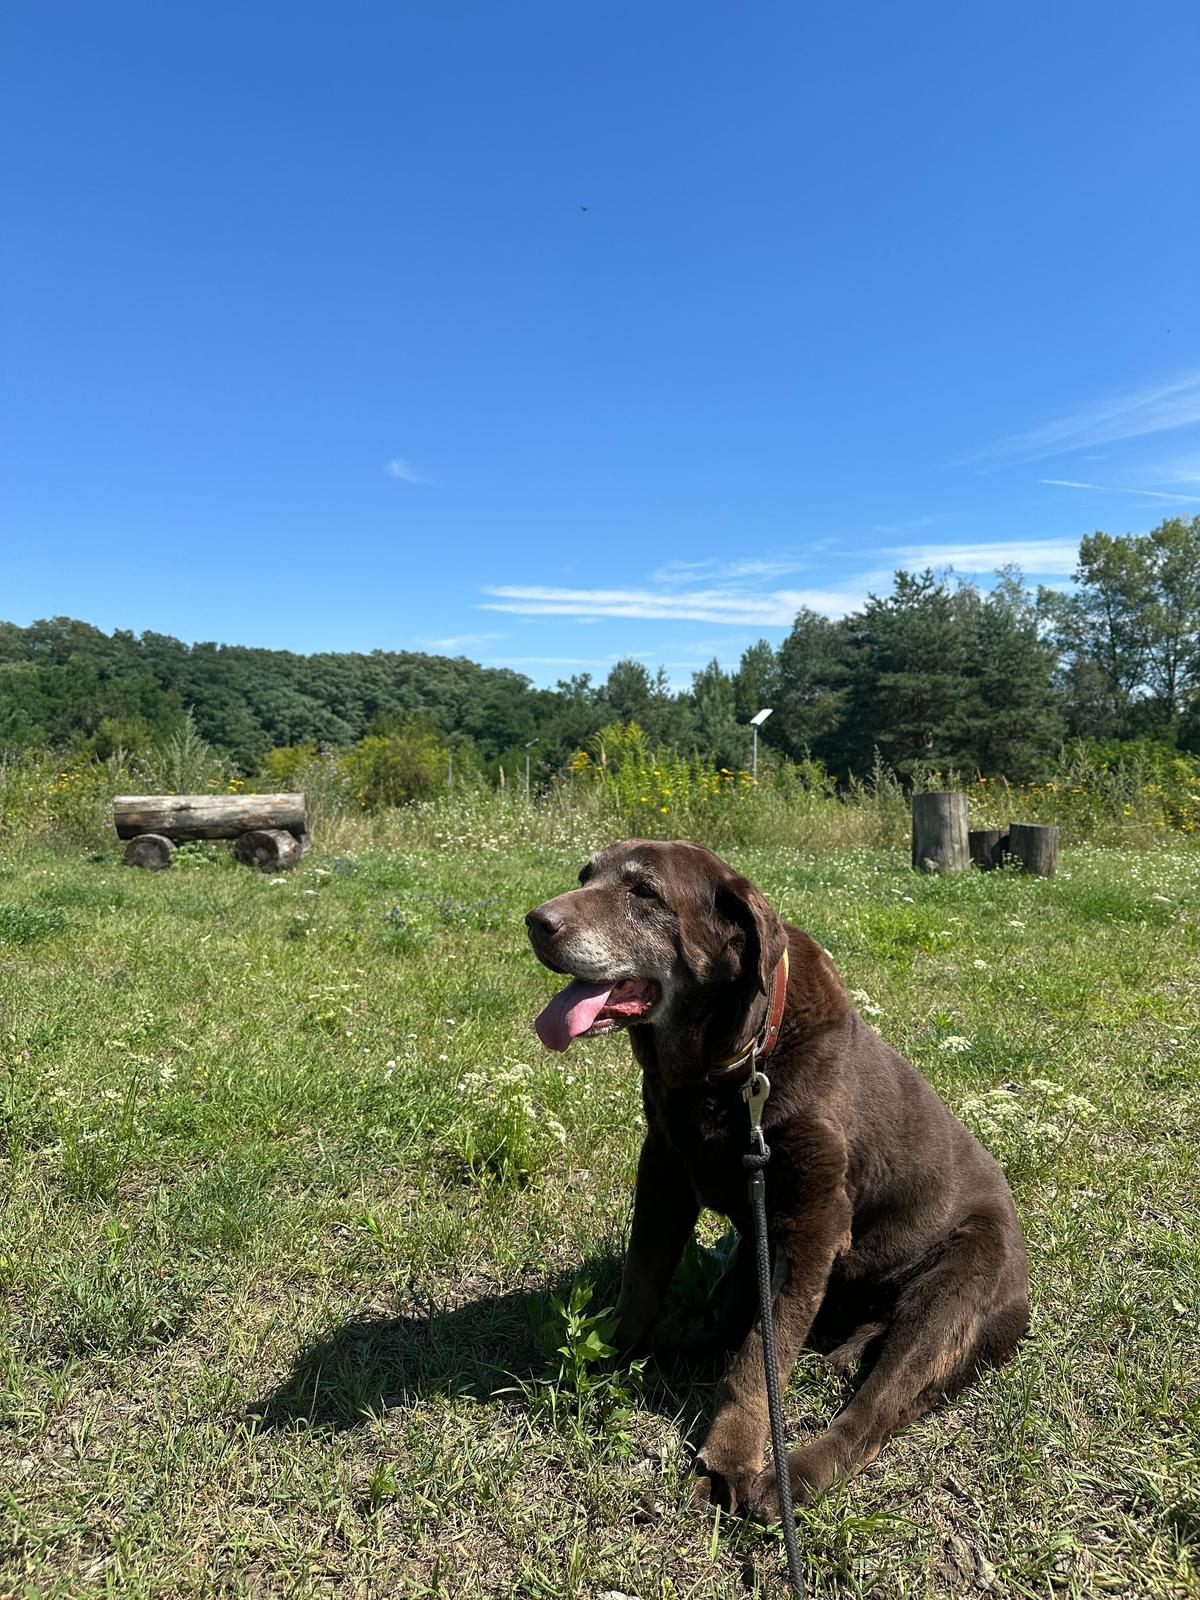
(1104, 488)
(458, 640)
(912, 525)
(1184, 469)
(1042, 556)
(398, 467)
(751, 567)
(734, 606)
(1153, 408)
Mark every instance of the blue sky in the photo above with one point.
(310, 343)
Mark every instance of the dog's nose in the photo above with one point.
(542, 924)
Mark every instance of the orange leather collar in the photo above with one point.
(737, 1067)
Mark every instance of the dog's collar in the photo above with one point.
(737, 1067)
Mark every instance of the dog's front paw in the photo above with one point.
(808, 1475)
(728, 1488)
(762, 1501)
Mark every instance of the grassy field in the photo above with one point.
(289, 1191)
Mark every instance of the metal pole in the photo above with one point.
(755, 722)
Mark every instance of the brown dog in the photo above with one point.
(894, 1234)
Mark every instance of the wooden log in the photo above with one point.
(149, 850)
(268, 849)
(939, 832)
(1035, 846)
(987, 847)
(207, 816)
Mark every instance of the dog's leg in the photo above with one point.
(848, 1355)
(810, 1238)
(665, 1210)
(965, 1311)
(736, 1298)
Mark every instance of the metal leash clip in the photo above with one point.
(755, 1091)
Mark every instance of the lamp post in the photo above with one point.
(529, 746)
(756, 723)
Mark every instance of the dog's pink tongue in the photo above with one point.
(571, 1012)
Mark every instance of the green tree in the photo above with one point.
(628, 690)
(756, 681)
(1019, 724)
(809, 689)
(1109, 618)
(910, 694)
(719, 737)
(1129, 635)
(633, 694)
(1173, 660)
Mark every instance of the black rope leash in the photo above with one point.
(755, 1094)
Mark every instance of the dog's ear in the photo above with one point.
(740, 902)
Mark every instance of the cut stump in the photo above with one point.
(1035, 846)
(268, 849)
(939, 832)
(151, 850)
(987, 846)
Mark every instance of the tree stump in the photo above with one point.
(268, 849)
(1035, 846)
(987, 846)
(151, 850)
(939, 832)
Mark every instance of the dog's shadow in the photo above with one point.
(489, 1348)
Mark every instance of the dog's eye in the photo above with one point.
(643, 891)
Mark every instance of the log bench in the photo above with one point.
(270, 831)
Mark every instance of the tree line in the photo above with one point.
(935, 674)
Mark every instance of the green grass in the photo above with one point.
(288, 1187)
